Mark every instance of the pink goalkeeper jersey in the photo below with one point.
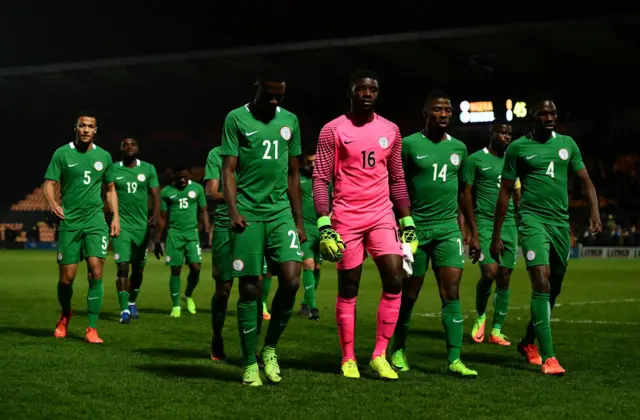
(365, 165)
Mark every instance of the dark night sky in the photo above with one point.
(55, 32)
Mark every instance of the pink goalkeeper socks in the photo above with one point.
(388, 311)
(346, 320)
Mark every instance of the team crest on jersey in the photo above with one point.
(285, 132)
(192, 194)
(564, 154)
(455, 159)
(238, 265)
(98, 166)
(141, 177)
(168, 259)
(531, 254)
(481, 257)
(116, 257)
(60, 256)
(383, 142)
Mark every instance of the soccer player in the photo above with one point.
(80, 168)
(481, 177)
(360, 153)
(541, 160)
(260, 149)
(135, 181)
(221, 252)
(311, 260)
(183, 202)
(433, 162)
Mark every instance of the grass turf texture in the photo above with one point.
(158, 367)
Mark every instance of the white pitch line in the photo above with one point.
(558, 305)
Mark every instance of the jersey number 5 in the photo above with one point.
(368, 160)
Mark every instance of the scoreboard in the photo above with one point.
(484, 111)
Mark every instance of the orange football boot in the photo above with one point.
(91, 336)
(530, 352)
(62, 326)
(551, 366)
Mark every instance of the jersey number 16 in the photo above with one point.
(368, 159)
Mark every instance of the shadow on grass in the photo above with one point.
(183, 354)
(191, 371)
(316, 362)
(105, 316)
(167, 311)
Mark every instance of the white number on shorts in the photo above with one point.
(183, 203)
(294, 236)
(267, 144)
(442, 174)
(105, 244)
(550, 170)
(87, 177)
(132, 187)
(199, 250)
(499, 180)
(459, 244)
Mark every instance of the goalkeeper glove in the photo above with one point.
(331, 245)
(408, 229)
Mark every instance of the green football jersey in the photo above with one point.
(432, 170)
(263, 151)
(182, 206)
(543, 169)
(133, 186)
(80, 176)
(483, 171)
(213, 170)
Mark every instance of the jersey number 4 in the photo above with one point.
(550, 170)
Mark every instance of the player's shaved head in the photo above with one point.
(363, 74)
(434, 95)
(499, 121)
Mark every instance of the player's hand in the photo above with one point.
(157, 250)
(238, 223)
(58, 211)
(115, 227)
(497, 249)
(302, 234)
(595, 225)
(331, 245)
(474, 249)
(409, 236)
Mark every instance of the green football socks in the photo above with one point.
(453, 324)
(94, 301)
(248, 329)
(174, 289)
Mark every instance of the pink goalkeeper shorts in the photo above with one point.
(380, 239)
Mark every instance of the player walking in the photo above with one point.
(360, 153)
(260, 149)
(135, 181)
(433, 161)
(182, 203)
(482, 174)
(80, 168)
(541, 160)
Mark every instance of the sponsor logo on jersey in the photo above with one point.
(383, 142)
(98, 166)
(192, 194)
(564, 154)
(141, 177)
(455, 159)
(285, 132)
(531, 254)
(238, 265)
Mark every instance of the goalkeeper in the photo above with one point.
(362, 216)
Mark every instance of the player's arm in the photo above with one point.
(331, 245)
(517, 194)
(213, 194)
(507, 188)
(112, 202)
(595, 224)
(52, 178)
(294, 192)
(154, 192)
(465, 206)
(230, 152)
(400, 198)
(203, 214)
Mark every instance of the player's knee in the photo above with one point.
(317, 266)
(194, 268)
(449, 291)
(540, 279)
(348, 290)
(308, 264)
(222, 294)
(249, 289)
(488, 272)
(123, 270)
(503, 278)
(393, 283)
